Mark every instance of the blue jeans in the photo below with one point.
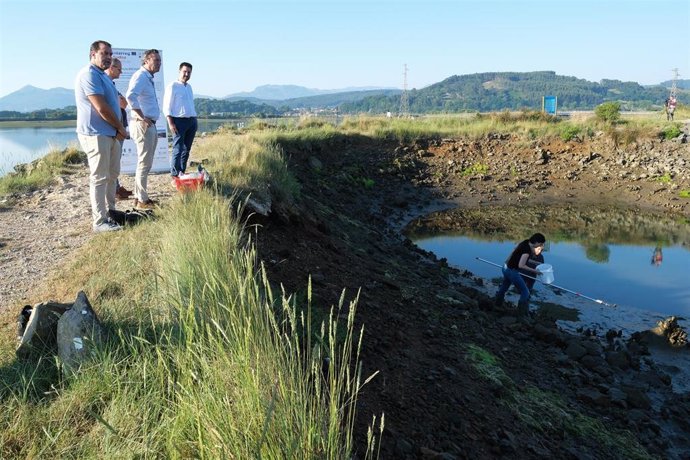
(182, 144)
(511, 276)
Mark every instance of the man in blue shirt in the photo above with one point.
(100, 131)
(143, 103)
(178, 107)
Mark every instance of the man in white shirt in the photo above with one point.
(141, 96)
(178, 107)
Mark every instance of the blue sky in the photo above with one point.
(327, 44)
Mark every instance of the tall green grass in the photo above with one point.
(202, 359)
(251, 163)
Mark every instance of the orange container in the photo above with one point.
(189, 182)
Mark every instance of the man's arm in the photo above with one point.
(104, 110)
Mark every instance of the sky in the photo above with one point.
(236, 46)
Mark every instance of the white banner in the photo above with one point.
(131, 62)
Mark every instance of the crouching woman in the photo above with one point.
(516, 263)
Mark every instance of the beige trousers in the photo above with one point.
(103, 153)
(146, 140)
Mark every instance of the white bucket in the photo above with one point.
(546, 276)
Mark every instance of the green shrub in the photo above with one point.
(608, 112)
(476, 169)
(670, 132)
(568, 132)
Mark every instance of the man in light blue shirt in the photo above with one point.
(178, 107)
(143, 103)
(100, 131)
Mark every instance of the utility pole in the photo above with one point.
(404, 102)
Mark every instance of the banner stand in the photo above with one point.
(131, 62)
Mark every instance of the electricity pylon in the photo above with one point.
(404, 102)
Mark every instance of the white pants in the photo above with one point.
(103, 153)
(146, 140)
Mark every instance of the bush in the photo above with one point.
(569, 132)
(670, 132)
(609, 112)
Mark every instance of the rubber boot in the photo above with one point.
(523, 309)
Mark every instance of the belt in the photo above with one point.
(138, 118)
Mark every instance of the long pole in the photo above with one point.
(599, 301)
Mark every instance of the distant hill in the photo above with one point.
(267, 107)
(494, 91)
(267, 93)
(30, 98)
(333, 100)
(680, 84)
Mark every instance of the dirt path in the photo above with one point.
(44, 228)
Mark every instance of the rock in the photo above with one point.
(315, 163)
(79, 332)
(37, 332)
(593, 396)
(575, 350)
(260, 207)
(637, 398)
(667, 332)
(618, 359)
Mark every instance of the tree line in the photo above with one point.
(481, 92)
(496, 91)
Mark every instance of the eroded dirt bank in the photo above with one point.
(423, 322)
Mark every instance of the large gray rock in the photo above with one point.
(37, 327)
(79, 333)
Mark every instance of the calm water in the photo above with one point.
(627, 278)
(638, 261)
(23, 145)
(618, 255)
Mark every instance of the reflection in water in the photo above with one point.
(602, 253)
(23, 145)
(657, 257)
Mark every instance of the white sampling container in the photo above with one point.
(546, 276)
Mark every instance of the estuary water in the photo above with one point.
(639, 262)
(23, 145)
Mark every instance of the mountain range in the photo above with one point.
(30, 98)
(483, 92)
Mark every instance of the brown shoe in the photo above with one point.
(122, 193)
(144, 205)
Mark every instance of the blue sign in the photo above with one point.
(549, 104)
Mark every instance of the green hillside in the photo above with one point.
(494, 91)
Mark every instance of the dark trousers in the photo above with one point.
(182, 144)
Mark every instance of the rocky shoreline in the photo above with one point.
(549, 393)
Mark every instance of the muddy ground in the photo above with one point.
(423, 320)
